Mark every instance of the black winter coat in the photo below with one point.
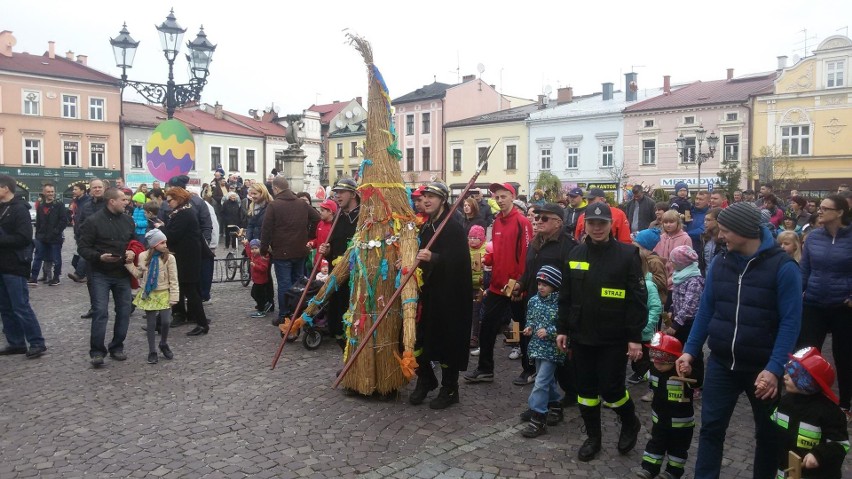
(553, 252)
(232, 214)
(184, 238)
(106, 232)
(77, 216)
(16, 232)
(51, 220)
(255, 222)
(446, 296)
(202, 215)
(89, 208)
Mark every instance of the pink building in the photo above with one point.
(651, 128)
(420, 116)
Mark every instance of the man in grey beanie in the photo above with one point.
(749, 315)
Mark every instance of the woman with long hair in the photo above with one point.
(470, 215)
(260, 199)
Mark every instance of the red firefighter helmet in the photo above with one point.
(663, 343)
(816, 365)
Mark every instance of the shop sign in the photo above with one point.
(691, 182)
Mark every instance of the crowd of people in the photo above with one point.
(595, 289)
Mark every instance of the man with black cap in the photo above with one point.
(640, 210)
(443, 331)
(549, 247)
(346, 195)
(620, 227)
(576, 207)
(750, 316)
(485, 213)
(602, 308)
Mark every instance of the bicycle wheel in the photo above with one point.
(232, 265)
(245, 274)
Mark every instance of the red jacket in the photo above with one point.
(259, 267)
(620, 226)
(510, 236)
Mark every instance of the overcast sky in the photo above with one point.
(294, 53)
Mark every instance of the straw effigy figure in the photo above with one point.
(382, 250)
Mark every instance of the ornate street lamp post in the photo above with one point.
(697, 156)
(170, 95)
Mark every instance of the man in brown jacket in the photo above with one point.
(287, 226)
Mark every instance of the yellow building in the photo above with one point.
(466, 140)
(346, 150)
(807, 118)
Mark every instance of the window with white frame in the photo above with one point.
(32, 151)
(426, 158)
(606, 156)
(732, 116)
(70, 150)
(544, 158)
(32, 102)
(511, 157)
(339, 150)
(481, 154)
(97, 153)
(834, 73)
(732, 148)
(796, 140)
(649, 152)
(353, 149)
(409, 159)
(688, 153)
(216, 157)
(649, 123)
(250, 162)
(233, 159)
(426, 120)
(457, 159)
(689, 120)
(409, 125)
(136, 156)
(69, 106)
(96, 109)
(573, 157)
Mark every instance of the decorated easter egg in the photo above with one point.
(170, 150)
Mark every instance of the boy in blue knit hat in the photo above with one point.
(681, 203)
(541, 325)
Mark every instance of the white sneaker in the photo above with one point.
(474, 352)
(515, 354)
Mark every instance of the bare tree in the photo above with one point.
(775, 166)
(618, 174)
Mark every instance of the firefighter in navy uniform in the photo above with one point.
(603, 311)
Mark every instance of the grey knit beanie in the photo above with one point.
(742, 218)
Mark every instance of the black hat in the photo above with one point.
(346, 184)
(552, 208)
(180, 181)
(596, 193)
(598, 211)
(742, 218)
(437, 188)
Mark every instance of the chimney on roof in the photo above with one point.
(51, 49)
(630, 86)
(782, 62)
(730, 73)
(468, 78)
(336, 101)
(667, 84)
(7, 41)
(69, 55)
(82, 59)
(542, 102)
(358, 99)
(564, 95)
(606, 89)
(217, 113)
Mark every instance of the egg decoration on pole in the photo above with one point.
(170, 150)
(381, 252)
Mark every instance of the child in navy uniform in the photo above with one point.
(808, 420)
(672, 411)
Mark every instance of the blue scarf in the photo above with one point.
(153, 273)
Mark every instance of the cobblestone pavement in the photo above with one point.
(217, 410)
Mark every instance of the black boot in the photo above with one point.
(536, 427)
(424, 385)
(554, 413)
(447, 397)
(592, 423)
(590, 448)
(629, 434)
(527, 415)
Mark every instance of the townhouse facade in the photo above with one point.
(333, 117)
(59, 119)
(719, 107)
(346, 150)
(806, 117)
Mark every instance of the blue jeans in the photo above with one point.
(545, 390)
(47, 252)
(287, 272)
(19, 321)
(722, 389)
(100, 285)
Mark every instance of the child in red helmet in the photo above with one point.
(672, 411)
(809, 421)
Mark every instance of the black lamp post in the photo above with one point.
(170, 95)
(698, 156)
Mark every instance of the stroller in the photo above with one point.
(313, 334)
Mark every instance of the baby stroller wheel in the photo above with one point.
(312, 339)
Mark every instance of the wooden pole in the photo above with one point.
(313, 275)
(411, 271)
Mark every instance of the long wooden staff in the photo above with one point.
(410, 273)
(313, 275)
